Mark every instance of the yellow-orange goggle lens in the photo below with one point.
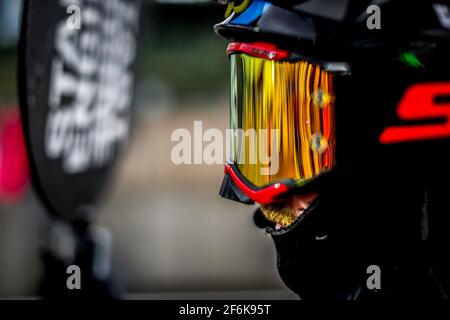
(290, 105)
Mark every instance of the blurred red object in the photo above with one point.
(14, 172)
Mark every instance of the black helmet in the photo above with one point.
(336, 24)
(344, 85)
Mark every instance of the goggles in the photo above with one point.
(282, 120)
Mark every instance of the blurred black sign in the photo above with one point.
(76, 80)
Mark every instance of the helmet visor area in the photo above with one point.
(282, 120)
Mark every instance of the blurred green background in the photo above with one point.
(181, 49)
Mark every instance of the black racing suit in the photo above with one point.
(397, 226)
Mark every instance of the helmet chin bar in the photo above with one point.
(235, 187)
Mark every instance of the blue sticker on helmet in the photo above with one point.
(253, 12)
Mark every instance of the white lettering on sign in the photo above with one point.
(91, 85)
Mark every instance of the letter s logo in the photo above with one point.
(421, 102)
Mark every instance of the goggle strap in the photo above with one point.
(263, 50)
